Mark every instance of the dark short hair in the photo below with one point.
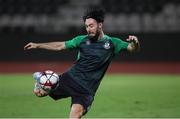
(97, 13)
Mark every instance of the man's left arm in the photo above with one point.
(133, 45)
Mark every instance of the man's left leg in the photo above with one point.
(77, 111)
(80, 105)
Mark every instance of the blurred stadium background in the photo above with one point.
(155, 22)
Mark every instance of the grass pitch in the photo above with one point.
(118, 96)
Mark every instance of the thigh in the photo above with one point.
(59, 94)
(60, 91)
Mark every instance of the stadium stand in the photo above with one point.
(155, 22)
(54, 16)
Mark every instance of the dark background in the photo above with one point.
(155, 22)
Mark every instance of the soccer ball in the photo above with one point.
(47, 79)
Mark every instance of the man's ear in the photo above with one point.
(100, 25)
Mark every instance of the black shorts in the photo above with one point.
(68, 87)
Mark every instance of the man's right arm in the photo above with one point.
(55, 46)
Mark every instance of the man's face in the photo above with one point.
(93, 28)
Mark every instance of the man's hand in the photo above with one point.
(30, 46)
(40, 92)
(133, 44)
(133, 39)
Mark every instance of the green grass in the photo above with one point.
(118, 96)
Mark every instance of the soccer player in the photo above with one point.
(96, 51)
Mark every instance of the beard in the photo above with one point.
(95, 37)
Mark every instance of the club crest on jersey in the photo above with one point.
(107, 45)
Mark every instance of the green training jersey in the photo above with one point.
(93, 59)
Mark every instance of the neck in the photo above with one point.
(101, 35)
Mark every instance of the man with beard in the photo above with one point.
(96, 51)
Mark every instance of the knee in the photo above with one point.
(77, 111)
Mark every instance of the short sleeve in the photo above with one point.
(119, 45)
(74, 43)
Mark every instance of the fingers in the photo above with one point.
(37, 92)
(26, 47)
(132, 38)
(40, 92)
(29, 46)
(134, 43)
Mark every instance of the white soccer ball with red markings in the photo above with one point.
(48, 80)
